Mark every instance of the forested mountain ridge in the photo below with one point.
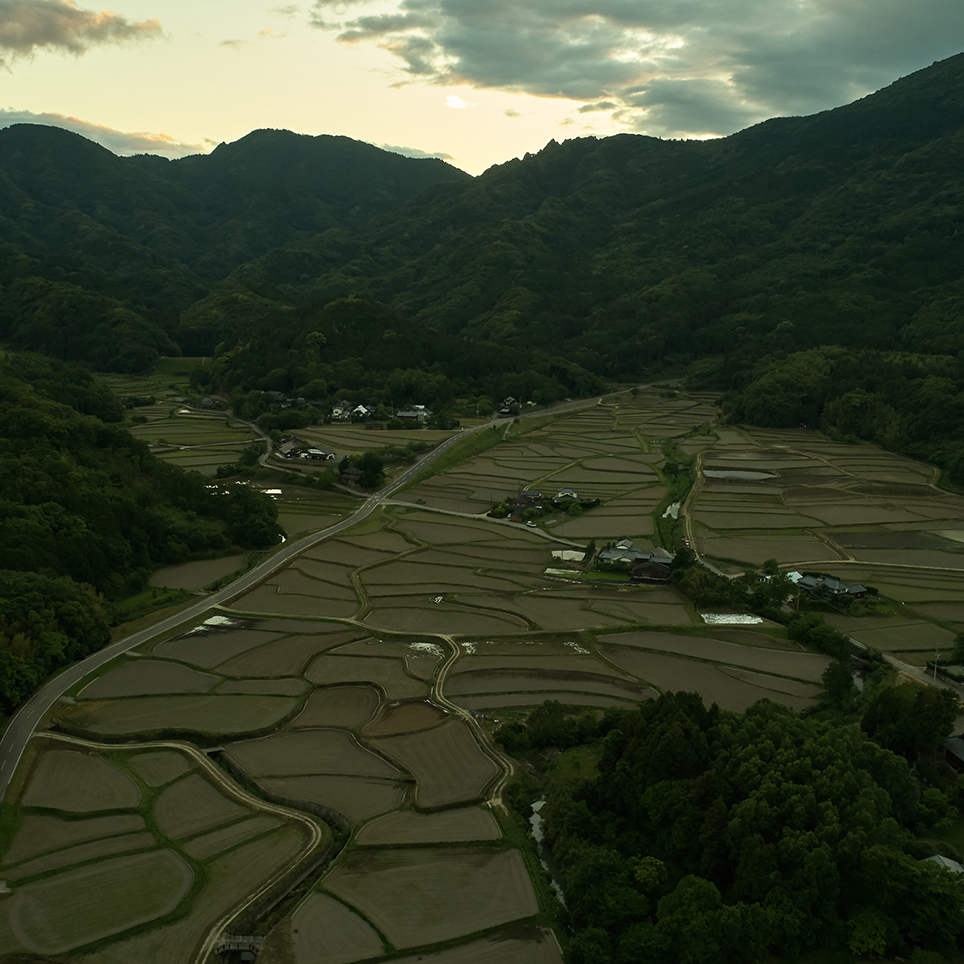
(122, 245)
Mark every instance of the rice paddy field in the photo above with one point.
(351, 684)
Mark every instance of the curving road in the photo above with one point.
(25, 721)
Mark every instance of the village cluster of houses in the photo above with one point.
(292, 447)
(519, 504)
(643, 567)
(345, 411)
(817, 585)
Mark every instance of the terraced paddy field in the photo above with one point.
(342, 687)
(120, 849)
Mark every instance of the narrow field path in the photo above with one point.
(485, 741)
(318, 835)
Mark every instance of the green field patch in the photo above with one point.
(386, 673)
(202, 714)
(424, 896)
(208, 649)
(209, 844)
(53, 915)
(268, 599)
(145, 677)
(796, 665)
(78, 782)
(671, 673)
(157, 767)
(196, 575)
(270, 687)
(297, 521)
(305, 752)
(464, 825)
(344, 706)
(193, 805)
(287, 657)
(406, 717)
(442, 618)
(39, 833)
(79, 854)
(325, 930)
(446, 761)
(355, 798)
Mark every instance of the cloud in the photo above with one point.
(414, 152)
(290, 11)
(120, 142)
(669, 67)
(509, 112)
(455, 102)
(29, 25)
(236, 44)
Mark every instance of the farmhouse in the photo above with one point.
(623, 553)
(820, 585)
(318, 453)
(656, 568)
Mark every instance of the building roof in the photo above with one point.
(947, 863)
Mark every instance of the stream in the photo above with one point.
(544, 851)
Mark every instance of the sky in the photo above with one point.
(476, 82)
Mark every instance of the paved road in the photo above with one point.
(28, 717)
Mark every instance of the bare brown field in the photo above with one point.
(424, 896)
(310, 626)
(644, 610)
(798, 665)
(76, 782)
(853, 514)
(157, 767)
(756, 551)
(927, 558)
(324, 571)
(268, 687)
(229, 879)
(382, 541)
(589, 527)
(295, 582)
(325, 931)
(357, 798)
(309, 751)
(671, 673)
(915, 636)
(380, 670)
(446, 762)
(193, 805)
(556, 612)
(750, 637)
(445, 533)
(144, 677)
(533, 660)
(342, 706)
(196, 575)
(40, 834)
(530, 681)
(342, 555)
(209, 649)
(496, 701)
(779, 684)
(203, 714)
(742, 519)
(82, 853)
(448, 826)
(287, 657)
(209, 844)
(409, 571)
(268, 599)
(445, 619)
(946, 612)
(405, 718)
(55, 914)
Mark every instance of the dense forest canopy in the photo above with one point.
(710, 835)
(591, 259)
(86, 514)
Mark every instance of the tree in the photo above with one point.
(372, 467)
